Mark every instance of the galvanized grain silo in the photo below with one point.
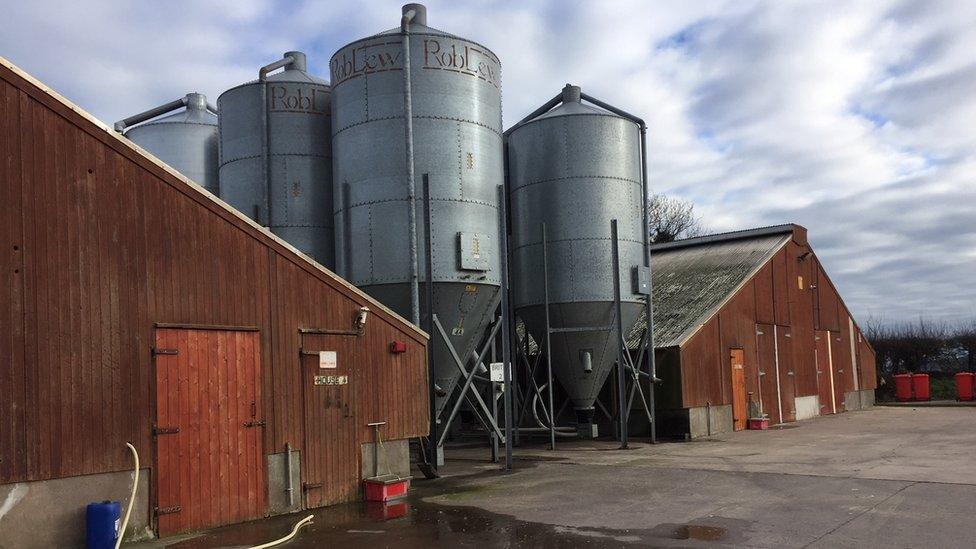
(187, 140)
(576, 168)
(456, 141)
(276, 155)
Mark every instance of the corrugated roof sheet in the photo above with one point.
(692, 282)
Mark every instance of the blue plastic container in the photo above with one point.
(102, 522)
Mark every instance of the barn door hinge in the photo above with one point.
(311, 486)
(158, 351)
(156, 431)
(167, 510)
(255, 423)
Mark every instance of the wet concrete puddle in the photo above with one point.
(415, 523)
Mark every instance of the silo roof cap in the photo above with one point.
(572, 104)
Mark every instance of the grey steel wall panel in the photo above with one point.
(300, 147)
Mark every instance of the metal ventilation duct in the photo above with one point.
(276, 155)
(187, 140)
(455, 136)
(576, 168)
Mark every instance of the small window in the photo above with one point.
(799, 282)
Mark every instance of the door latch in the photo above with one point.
(156, 431)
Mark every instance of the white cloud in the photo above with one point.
(854, 119)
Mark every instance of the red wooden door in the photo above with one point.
(787, 377)
(825, 380)
(740, 405)
(766, 357)
(331, 457)
(208, 437)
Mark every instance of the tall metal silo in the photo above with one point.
(187, 140)
(453, 139)
(276, 154)
(575, 168)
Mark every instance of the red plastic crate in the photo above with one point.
(386, 487)
(758, 423)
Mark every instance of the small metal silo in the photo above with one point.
(276, 155)
(456, 145)
(575, 168)
(187, 140)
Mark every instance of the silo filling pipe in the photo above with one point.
(409, 14)
(288, 59)
(126, 123)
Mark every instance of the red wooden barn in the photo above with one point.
(748, 323)
(138, 307)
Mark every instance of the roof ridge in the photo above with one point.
(727, 236)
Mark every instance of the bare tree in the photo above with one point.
(909, 346)
(964, 338)
(670, 218)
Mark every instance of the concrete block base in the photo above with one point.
(706, 421)
(859, 400)
(807, 407)
(51, 513)
(393, 458)
(280, 500)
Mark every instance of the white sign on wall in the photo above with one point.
(327, 359)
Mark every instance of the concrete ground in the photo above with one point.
(886, 477)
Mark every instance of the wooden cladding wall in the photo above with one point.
(791, 291)
(100, 243)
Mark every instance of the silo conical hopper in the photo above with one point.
(457, 142)
(187, 140)
(576, 168)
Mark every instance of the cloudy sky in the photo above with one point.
(855, 119)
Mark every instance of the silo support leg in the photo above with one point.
(469, 377)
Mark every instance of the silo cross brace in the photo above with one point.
(488, 420)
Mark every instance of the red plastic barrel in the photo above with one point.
(903, 387)
(920, 383)
(964, 385)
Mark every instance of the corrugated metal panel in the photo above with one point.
(781, 290)
(114, 242)
(766, 353)
(840, 354)
(828, 317)
(868, 365)
(802, 298)
(824, 373)
(765, 310)
(703, 376)
(787, 375)
(738, 330)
